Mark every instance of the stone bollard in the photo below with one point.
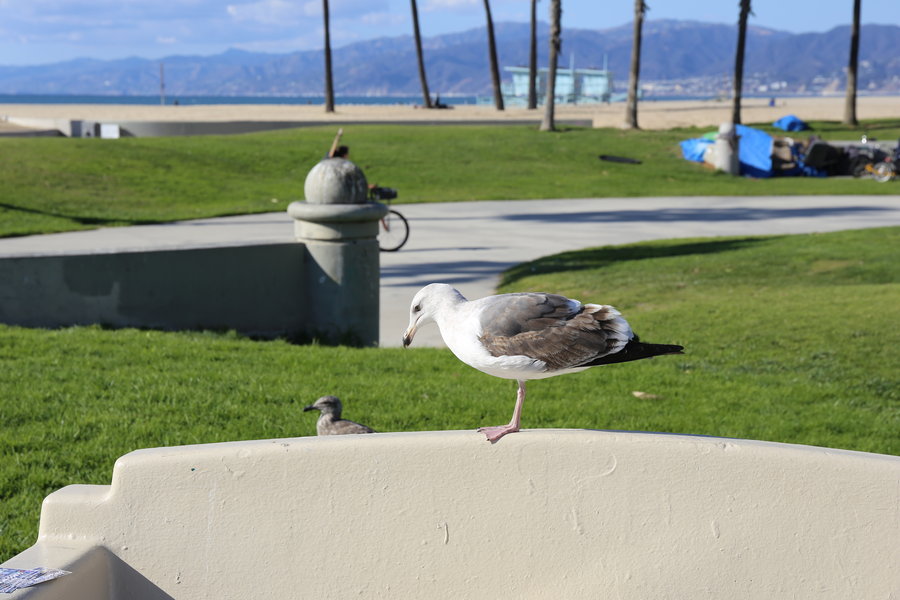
(727, 147)
(339, 227)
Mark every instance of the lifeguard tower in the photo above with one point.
(573, 86)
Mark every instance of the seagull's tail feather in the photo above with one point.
(635, 350)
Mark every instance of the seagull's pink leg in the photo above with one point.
(495, 433)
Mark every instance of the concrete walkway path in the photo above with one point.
(469, 244)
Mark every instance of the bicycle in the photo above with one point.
(393, 230)
(885, 170)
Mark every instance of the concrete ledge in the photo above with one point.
(256, 290)
(84, 128)
(543, 513)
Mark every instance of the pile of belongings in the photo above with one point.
(762, 155)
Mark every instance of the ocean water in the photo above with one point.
(194, 100)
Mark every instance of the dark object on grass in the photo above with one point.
(330, 421)
(620, 159)
(821, 155)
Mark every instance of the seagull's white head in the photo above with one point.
(427, 304)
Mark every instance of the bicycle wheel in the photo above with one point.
(882, 172)
(393, 231)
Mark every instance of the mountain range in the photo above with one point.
(677, 57)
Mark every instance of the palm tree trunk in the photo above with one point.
(739, 62)
(415, 19)
(329, 83)
(850, 103)
(631, 109)
(532, 59)
(492, 51)
(549, 121)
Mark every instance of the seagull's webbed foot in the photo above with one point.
(495, 433)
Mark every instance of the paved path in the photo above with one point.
(469, 244)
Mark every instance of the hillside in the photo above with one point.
(679, 58)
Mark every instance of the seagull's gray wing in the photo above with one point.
(343, 427)
(547, 327)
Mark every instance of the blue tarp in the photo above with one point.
(755, 148)
(755, 151)
(790, 123)
(693, 149)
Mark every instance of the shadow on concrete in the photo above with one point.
(456, 248)
(99, 574)
(693, 214)
(452, 272)
(225, 221)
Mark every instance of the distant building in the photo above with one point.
(573, 86)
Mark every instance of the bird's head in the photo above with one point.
(325, 405)
(426, 304)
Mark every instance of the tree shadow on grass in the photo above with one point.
(837, 126)
(596, 258)
(85, 221)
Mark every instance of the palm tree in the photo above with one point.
(850, 103)
(532, 59)
(492, 52)
(631, 109)
(739, 62)
(548, 122)
(415, 19)
(329, 84)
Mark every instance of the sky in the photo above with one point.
(46, 31)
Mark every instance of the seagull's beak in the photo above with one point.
(408, 335)
(308, 408)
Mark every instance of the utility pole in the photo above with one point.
(162, 85)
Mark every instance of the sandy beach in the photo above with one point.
(651, 114)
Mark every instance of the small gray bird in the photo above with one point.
(330, 421)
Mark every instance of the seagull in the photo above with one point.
(527, 336)
(330, 421)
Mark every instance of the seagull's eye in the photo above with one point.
(417, 308)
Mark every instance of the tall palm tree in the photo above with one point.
(532, 59)
(739, 62)
(329, 83)
(415, 19)
(492, 52)
(549, 122)
(631, 108)
(850, 103)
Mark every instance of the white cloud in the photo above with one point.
(266, 12)
(312, 9)
(383, 19)
(60, 29)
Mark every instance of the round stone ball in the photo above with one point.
(336, 181)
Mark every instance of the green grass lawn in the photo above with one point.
(61, 184)
(788, 338)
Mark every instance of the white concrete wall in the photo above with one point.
(541, 514)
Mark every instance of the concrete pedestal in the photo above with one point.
(339, 229)
(727, 150)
